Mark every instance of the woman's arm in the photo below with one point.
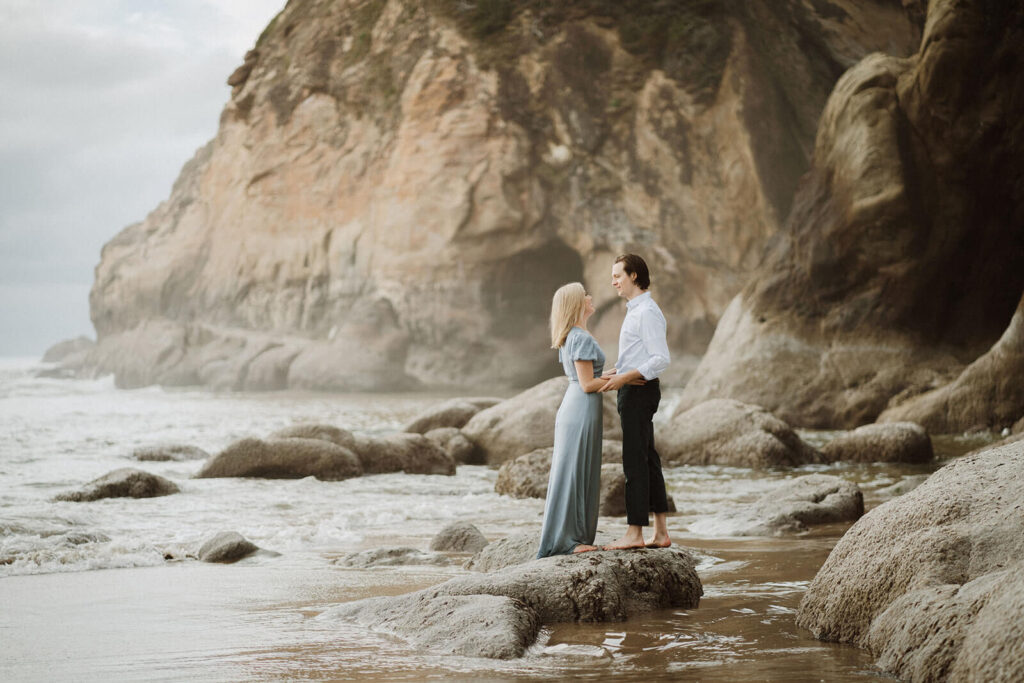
(585, 373)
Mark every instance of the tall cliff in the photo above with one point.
(903, 258)
(398, 186)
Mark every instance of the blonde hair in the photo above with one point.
(567, 306)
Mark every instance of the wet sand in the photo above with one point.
(258, 620)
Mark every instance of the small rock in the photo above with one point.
(455, 444)
(728, 432)
(884, 442)
(459, 537)
(226, 547)
(454, 413)
(525, 476)
(167, 452)
(390, 557)
(505, 552)
(283, 459)
(122, 483)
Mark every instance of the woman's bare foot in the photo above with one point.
(583, 548)
(659, 541)
(625, 543)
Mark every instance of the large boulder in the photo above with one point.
(919, 577)
(312, 430)
(454, 413)
(893, 442)
(122, 483)
(459, 537)
(68, 350)
(728, 432)
(526, 422)
(291, 458)
(167, 452)
(227, 547)
(987, 394)
(401, 452)
(791, 508)
(453, 442)
(598, 586)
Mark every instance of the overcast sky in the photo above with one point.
(101, 103)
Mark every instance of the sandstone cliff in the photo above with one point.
(903, 257)
(397, 186)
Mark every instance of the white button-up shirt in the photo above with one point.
(643, 345)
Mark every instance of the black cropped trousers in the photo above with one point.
(645, 484)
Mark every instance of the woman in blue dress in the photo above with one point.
(574, 486)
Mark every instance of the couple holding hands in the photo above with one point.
(574, 486)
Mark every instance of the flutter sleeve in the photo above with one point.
(584, 347)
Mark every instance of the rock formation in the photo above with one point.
(396, 188)
(930, 581)
(122, 483)
(901, 258)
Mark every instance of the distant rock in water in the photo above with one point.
(227, 547)
(401, 452)
(793, 507)
(893, 442)
(336, 435)
(172, 451)
(931, 582)
(498, 614)
(391, 557)
(901, 257)
(727, 432)
(122, 483)
(453, 442)
(63, 350)
(460, 537)
(283, 459)
(457, 170)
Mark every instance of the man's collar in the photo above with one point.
(635, 301)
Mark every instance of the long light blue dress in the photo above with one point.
(574, 486)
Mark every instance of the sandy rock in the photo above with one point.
(62, 350)
(505, 552)
(605, 586)
(227, 547)
(336, 435)
(391, 557)
(283, 459)
(122, 483)
(401, 452)
(791, 508)
(453, 442)
(526, 422)
(728, 432)
(892, 442)
(454, 413)
(470, 625)
(173, 451)
(459, 537)
(525, 476)
(946, 544)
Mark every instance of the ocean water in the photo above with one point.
(71, 574)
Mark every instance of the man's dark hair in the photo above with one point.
(634, 265)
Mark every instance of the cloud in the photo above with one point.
(104, 101)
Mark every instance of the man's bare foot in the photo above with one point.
(583, 548)
(659, 541)
(625, 543)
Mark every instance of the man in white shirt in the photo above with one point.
(643, 355)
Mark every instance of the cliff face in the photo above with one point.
(397, 187)
(902, 258)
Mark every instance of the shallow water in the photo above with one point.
(111, 589)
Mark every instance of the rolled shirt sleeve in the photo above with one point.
(653, 334)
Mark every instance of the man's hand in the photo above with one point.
(607, 374)
(616, 381)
